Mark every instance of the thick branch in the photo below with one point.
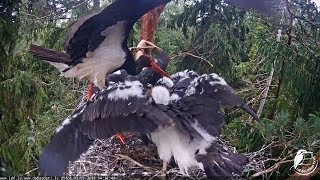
(265, 94)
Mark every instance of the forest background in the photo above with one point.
(273, 62)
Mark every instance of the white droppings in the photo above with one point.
(134, 90)
(160, 95)
(215, 90)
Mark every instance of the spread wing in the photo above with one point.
(123, 106)
(199, 98)
(110, 27)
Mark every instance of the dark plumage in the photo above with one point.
(122, 107)
(71, 141)
(184, 126)
(222, 163)
(97, 43)
(147, 76)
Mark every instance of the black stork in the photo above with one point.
(182, 117)
(196, 101)
(97, 43)
(69, 142)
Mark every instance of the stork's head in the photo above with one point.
(147, 61)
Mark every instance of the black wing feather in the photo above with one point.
(103, 116)
(66, 145)
(201, 98)
(219, 162)
(87, 36)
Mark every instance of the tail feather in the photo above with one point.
(66, 146)
(219, 162)
(49, 54)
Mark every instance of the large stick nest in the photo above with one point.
(110, 158)
(134, 159)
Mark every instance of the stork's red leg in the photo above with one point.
(121, 138)
(90, 92)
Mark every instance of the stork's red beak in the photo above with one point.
(158, 69)
(90, 92)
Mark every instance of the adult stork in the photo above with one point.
(97, 44)
(182, 117)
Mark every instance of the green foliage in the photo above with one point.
(243, 135)
(239, 45)
(292, 133)
(33, 98)
(284, 136)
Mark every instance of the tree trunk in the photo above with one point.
(149, 24)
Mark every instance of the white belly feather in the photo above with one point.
(170, 142)
(103, 60)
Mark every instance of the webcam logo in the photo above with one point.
(304, 162)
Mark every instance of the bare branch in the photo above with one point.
(265, 94)
(184, 54)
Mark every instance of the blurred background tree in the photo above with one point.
(272, 61)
